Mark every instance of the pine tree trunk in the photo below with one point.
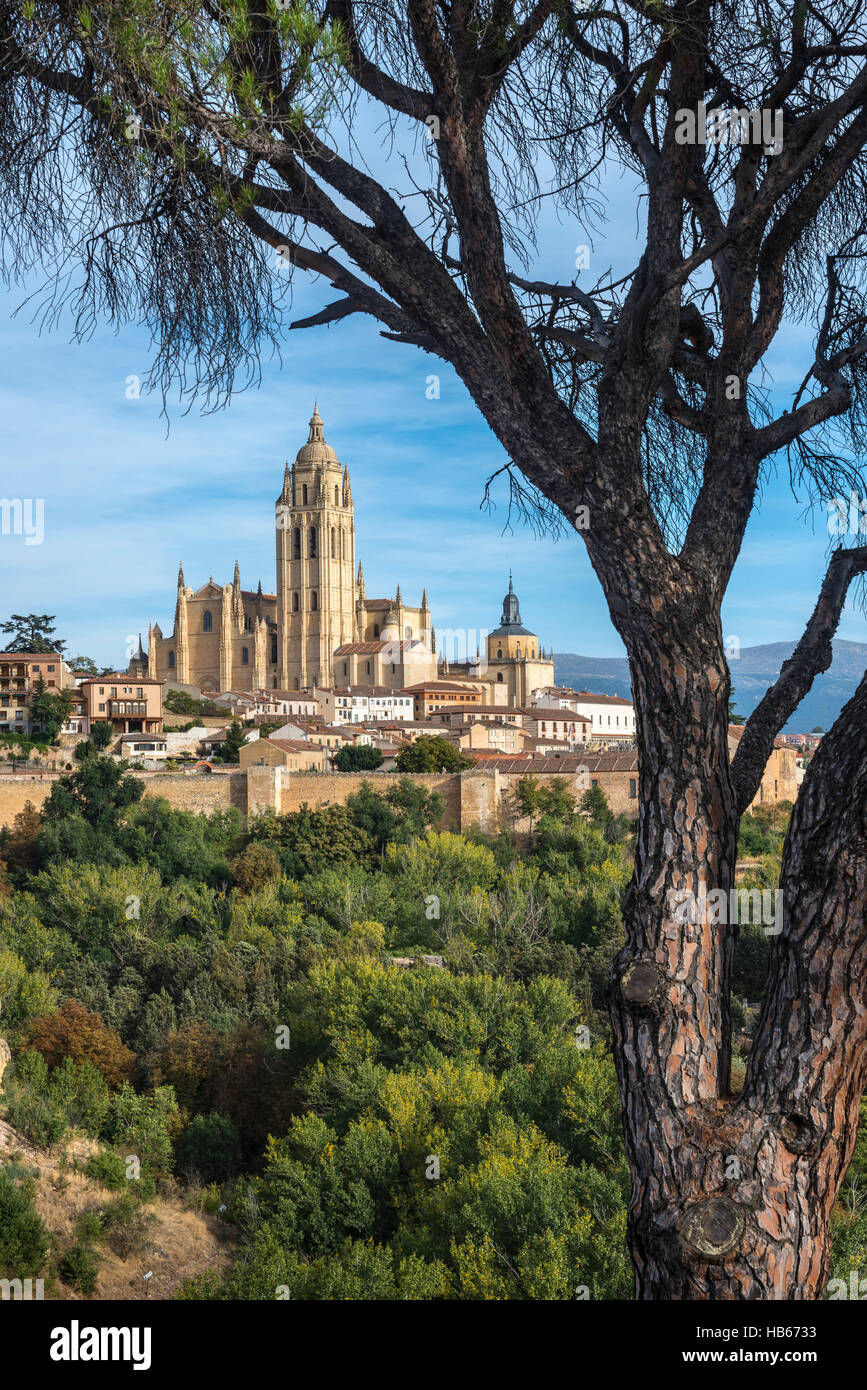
(732, 1194)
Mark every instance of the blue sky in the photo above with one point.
(125, 501)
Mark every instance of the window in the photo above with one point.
(248, 623)
(304, 494)
(171, 660)
(296, 543)
(333, 544)
(499, 675)
(207, 621)
(500, 653)
(314, 602)
(594, 781)
(311, 551)
(245, 656)
(368, 668)
(113, 691)
(50, 668)
(336, 496)
(633, 787)
(376, 629)
(294, 603)
(345, 669)
(139, 692)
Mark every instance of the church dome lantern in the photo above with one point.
(510, 622)
(316, 451)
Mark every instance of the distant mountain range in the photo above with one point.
(752, 673)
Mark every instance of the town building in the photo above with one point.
(363, 704)
(226, 637)
(134, 705)
(296, 755)
(20, 672)
(612, 719)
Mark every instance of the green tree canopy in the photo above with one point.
(31, 632)
(358, 758)
(431, 753)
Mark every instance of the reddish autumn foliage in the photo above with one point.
(73, 1032)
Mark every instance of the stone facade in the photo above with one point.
(226, 637)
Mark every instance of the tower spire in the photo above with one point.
(315, 436)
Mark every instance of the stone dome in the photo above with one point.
(316, 450)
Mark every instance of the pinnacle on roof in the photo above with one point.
(397, 597)
(180, 576)
(316, 450)
(424, 598)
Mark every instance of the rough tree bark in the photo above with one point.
(731, 1193)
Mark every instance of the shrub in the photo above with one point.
(126, 1225)
(79, 1268)
(89, 1227)
(44, 1104)
(209, 1146)
(73, 1032)
(24, 1241)
(256, 866)
(109, 1167)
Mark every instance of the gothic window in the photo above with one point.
(294, 603)
(333, 544)
(248, 623)
(273, 653)
(368, 668)
(171, 659)
(499, 651)
(336, 498)
(296, 543)
(304, 494)
(245, 656)
(207, 621)
(312, 546)
(376, 629)
(499, 675)
(313, 602)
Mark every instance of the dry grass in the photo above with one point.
(180, 1244)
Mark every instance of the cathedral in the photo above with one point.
(319, 628)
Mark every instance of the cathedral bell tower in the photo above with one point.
(316, 589)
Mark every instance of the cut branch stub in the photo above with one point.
(640, 982)
(712, 1228)
(798, 1132)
